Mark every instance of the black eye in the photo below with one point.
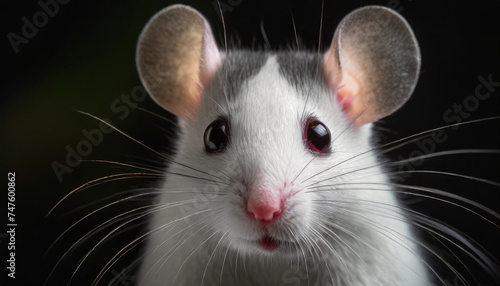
(216, 135)
(317, 136)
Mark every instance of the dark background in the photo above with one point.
(83, 59)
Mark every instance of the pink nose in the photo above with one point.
(264, 205)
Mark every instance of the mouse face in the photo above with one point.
(274, 158)
(267, 155)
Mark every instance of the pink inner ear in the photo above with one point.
(210, 57)
(339, 79)
(344, 98)
(347, 92)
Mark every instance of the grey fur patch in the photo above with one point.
(237, 68)
(301, 69)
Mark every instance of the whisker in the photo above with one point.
(449, 152)
(264, 35)
(482, 180)
(83, 238)
(414, 137)
(416, 158)
(357, 238)
(222, 267)
(321, 25)
(143, 237)
(94, 212)
(125, 215)
(145, 146)
(120, 254)
(196, 249)
(337, 255)
(293, 181)
(109, 234)
(330, 233)
(122, 133)
(305, 261)
(211, 256)
(454, 255)
(123, 164)
(430, 131)
(423, 222)
(223, 25)
(105, 179)
(181, 244)
(111, 197)
(295, 30)
(123, 176)
(170, 121)
(380, 228)
(428, 190)
(213, 100)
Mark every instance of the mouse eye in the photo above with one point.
(216, 135)
(317, 136)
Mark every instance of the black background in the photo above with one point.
(83, 59)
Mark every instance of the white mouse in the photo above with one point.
(275, 171)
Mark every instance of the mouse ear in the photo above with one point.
(177, 57)
(373, 63)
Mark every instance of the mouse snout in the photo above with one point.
(264, 205)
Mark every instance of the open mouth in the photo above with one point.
(269, 243)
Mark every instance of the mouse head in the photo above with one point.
(286, 128)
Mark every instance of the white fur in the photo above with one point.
(211, 238)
